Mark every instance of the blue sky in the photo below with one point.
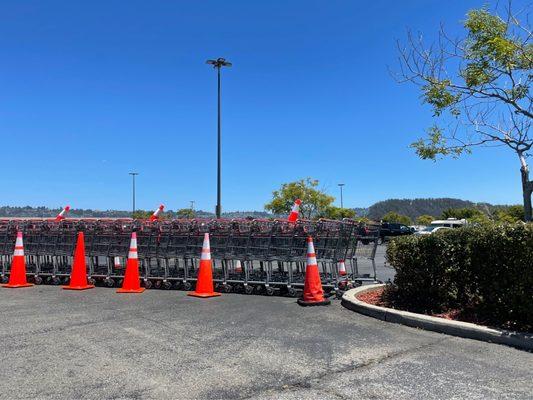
(92, 90)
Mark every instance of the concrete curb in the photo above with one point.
(468, 330)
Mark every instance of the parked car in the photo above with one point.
(389, 229)
(435, 226)
(428, 230)
(449, 223)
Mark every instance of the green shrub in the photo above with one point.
(486, 269)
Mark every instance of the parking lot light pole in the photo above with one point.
(341, 185)
(218, 64)
(133, 174)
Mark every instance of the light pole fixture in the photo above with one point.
(341, 185)
(218, 64)
(133, 175)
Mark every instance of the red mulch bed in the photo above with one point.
(374, 297)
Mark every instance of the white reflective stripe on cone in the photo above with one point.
(311, 256)
(206, 251)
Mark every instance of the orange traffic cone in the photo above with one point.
(204, 283)
(293, 216)
(17, 275)
(132, 281)
(62, 215)
(342, 268)
(78, 274)
(313, 294)
(238, 266)
(155, 215)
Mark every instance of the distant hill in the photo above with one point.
(410, 207)
(45, 212)
(413, 208)
(360, 211)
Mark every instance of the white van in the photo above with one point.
(441, 224)
(449, 223)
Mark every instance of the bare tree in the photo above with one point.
(478, 87)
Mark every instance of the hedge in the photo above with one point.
(483, 271)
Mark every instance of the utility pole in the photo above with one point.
(341, 185)
(218, 64)
(133, 175)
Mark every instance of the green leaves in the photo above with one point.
(185, 213)
(332, 212)
(437, 94)
(436, 144)
(486, 269)
(490, 45)
(396, 218)
(424, 220)
(492, 68)
(477, 74)
(517, 92)
(314, 201)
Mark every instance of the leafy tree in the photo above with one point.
(362, 220)
(478, 87)
(332, 212)
(461, 213)
(516, 212)
(510, 214)
(185, 213)
(424, 220)
(314, 200)
(396, 218)
(142, 214)
(470, 214)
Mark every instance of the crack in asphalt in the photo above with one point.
(313, 382)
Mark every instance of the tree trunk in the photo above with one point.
(527, 189)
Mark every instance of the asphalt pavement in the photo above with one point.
(384, 272)
(97, 344)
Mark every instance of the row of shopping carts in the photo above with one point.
(249, 255)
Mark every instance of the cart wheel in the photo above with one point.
(157, 285)
(147, 284)
(248, 289)
(5, 279)
(120, 282)
(167, 285)
(66, 280)
(187, 286)
(55, 281)
(269, 291)
(91, 281)
(227, 288)
(38, 280)
(259, 289)
(292, 292)
(178, 285)
(109, 282)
